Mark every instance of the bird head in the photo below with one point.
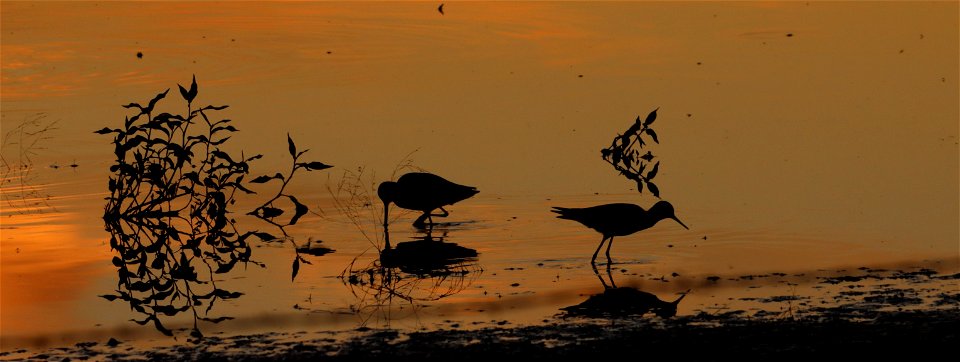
(387, 193)
(665, 211)
(670, 309)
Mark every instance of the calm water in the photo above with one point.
(796, 138)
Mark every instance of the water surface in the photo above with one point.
(796, 138)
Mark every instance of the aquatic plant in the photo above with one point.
(626, 154)
(18, 188)
(169, 212)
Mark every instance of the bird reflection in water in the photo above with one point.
(403, 277)
(619, 302)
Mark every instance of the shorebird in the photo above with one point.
(424, 192)
(612, 220)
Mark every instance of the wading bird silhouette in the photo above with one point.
(424, 192)
(617, 220)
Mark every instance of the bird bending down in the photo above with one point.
(424, 192)
(617, 220)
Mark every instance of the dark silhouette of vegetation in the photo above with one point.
(627, 157)
(169, 209)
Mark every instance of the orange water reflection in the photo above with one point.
(47, 266)
(834, 147)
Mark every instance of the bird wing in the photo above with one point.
(603, 218)
(432, 191)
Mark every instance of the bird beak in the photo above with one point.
(681, 298)
(386, 213)
(681, 223)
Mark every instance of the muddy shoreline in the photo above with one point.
(920, 316)
(700, 337)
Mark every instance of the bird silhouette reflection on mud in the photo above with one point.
(618, 219)
(622, 302)
(413, 272)
(421, 191)
(425, 255)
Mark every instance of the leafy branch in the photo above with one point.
(269, 212)
(168, 212)
(626, 155)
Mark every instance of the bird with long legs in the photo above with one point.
(619, 219)
(423, 192)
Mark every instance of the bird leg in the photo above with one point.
(594, 259)
(609, 274)
(597, 273)
(609, 261)
(429, 216)
(419, 224)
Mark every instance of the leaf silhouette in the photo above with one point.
(160, 327)
(296, 268)
(215, 108)
(262, 179)
(154, 101)
(652, 134)
(225, 268)
(314, 166)
(216, 320)
(109, 297)
(291, 146)
(633, 128)
(651, 117)
(653, 189)
(271, 212)
(192, 93)
(106, 130)
(265, 236)
(653, 172)
(301, 209)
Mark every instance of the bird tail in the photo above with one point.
(468, 192)
(564, 212)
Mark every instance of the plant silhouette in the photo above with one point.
(169, 210)
(626, 155)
